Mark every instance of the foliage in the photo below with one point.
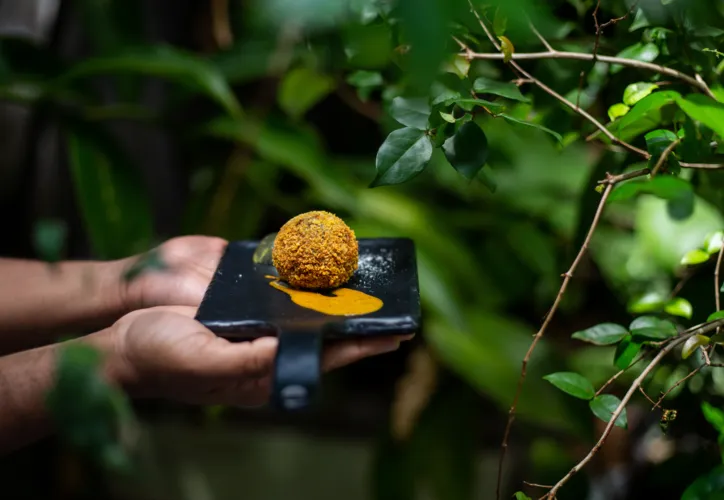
(493, 160)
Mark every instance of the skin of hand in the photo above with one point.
(160, 352)
(190, 263)
(40, 304)
(164, 352)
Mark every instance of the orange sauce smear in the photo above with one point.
(343, 302)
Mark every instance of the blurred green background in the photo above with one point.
(126, 122)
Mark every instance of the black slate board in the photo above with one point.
(240, 304)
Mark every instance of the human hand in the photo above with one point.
(164, 352)
(189, 263)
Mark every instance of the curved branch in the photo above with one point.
(582, 56)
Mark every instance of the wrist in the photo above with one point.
(116, 368)
(117, 291)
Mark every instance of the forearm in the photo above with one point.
(39, 303)
(25, 379)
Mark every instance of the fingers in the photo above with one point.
(240, 360)
(350, 351)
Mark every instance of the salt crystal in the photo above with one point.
(374, 268)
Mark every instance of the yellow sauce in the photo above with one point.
(344, 302)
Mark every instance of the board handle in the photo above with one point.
(297, 370)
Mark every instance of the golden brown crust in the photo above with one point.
(315, 250)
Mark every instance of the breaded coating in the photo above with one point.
(315, 250)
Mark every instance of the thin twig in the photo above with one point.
(618, 374)
(555, 94)
(566, 279)
(583, 56)
(641, 390)
(600, 27)
(703, 166)
(541, 38)
(677, 384)
(627, 397)
(664, 156)
(615, 179)
(536, 485)
(567, 276)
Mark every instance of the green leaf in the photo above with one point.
(602, 334)
(365, 82)
(709, 486)
(519, 495)
(652, 328)
(639, 21)
(531, 124)
(644, 115)
(301, 89)
(682, 206)
(468, 104)
(572, 383)
(638, 51)
(506, 46)
(679, 307)
(49, 237)
(692, 344)
(508, 90)
(364, 78)
(458, 65)
(647, 302)
(713, 242)
(637, 91)
(603, 407)
(411, 112)
(404, 154)
(625, 353)
(500, 22)
(111, 195)
(488, 181)
(714, 416)
(666, 187)
(715, 316)
(617, 111)
(705, 110)
(656, 143)
(448, 117)
(694, 257)
(467, 150)
(183, 68)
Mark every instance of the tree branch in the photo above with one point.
(539, 335)
(470, 54)
(583, 56)
(664, 156)
(627, 397)
(609, 183)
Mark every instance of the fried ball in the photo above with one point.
(315, 250)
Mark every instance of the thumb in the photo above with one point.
(223, 359)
